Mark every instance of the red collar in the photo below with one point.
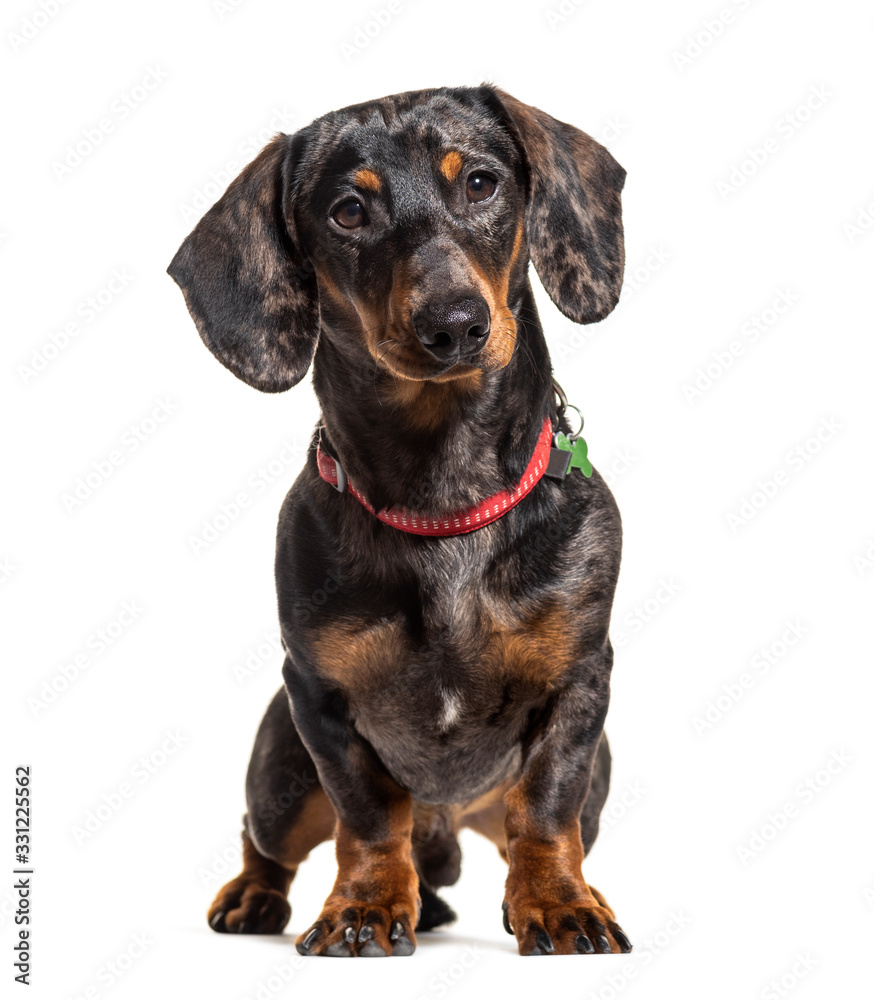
(484, 513)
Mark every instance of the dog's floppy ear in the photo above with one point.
(574, 215)
(245, 282)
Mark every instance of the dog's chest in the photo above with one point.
(460, 646)
(444, 694)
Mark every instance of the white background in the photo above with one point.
(708, 581)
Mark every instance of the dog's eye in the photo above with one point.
(350, 215)
(480, 187)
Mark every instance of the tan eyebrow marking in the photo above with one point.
(367, 179)
(450, 165)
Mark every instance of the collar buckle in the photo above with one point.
(340, 485)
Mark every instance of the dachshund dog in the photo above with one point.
(444, 604)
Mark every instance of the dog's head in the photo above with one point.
(402, 229)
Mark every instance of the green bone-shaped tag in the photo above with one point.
(579, 453)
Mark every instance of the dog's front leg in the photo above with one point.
(547, 903)
(373, 908)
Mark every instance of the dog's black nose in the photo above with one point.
(448, 329)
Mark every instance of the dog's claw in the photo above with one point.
(544, 941)
(542, 944)
(401, 944)
(621, 939)
(306, 945)
(218, 922)
(505, 907)
(603, 944)
(365, 934)
(583, 945)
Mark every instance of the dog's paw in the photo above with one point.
(246, 907)
(581, 927)
(346, 928)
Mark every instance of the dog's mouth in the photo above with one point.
(403, 358)
(402, 355)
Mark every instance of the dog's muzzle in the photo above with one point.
(454, 330)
